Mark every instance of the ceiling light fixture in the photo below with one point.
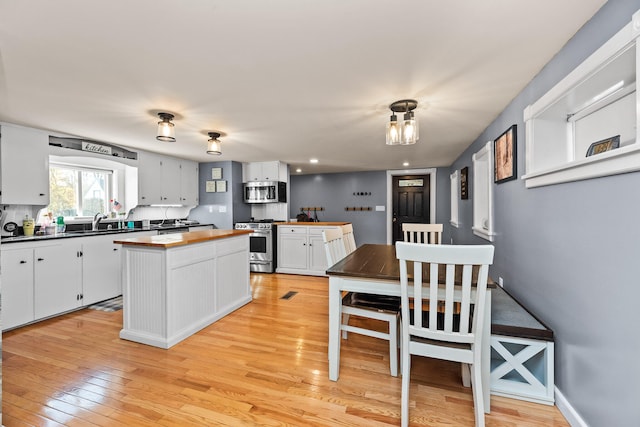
(214, 145)
(166, 132)
(407, 132)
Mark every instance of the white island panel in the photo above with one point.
(172, 292)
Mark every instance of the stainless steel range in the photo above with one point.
(262, 245)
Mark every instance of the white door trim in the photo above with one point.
(432, 194)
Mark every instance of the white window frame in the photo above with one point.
(483, 192)
(455, 198)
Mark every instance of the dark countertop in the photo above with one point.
(86, 233)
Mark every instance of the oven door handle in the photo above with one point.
(260, 262)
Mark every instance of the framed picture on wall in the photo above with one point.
(504, 156)
(464, 185)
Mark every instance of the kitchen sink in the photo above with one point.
(100, 231)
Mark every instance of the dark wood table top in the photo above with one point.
(380, 262)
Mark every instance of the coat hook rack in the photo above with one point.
(312, 208)
(356, 208)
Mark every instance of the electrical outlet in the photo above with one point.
(500, 282)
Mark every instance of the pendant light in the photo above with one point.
(166, 131)
(393, 131)
(213, 145)
(407, 133)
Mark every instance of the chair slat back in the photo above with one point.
(333, 245)
(422, 233)
(348, 238)
(450, 305)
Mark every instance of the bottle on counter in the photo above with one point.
(28, 226)
(60, 226)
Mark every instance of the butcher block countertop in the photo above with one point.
(181, 239)
(322, 223)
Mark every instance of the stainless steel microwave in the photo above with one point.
(265, 192)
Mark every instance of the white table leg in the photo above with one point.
(335, 313)
(486, 355)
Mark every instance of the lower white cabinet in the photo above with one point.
(57, 278)
(100, 269)
(39, 280)
(45, 278)
(301, 250)
(17, 287)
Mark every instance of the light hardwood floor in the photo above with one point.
(265, 364)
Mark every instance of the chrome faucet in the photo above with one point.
(96, 220)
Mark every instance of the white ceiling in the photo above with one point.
(285, 80)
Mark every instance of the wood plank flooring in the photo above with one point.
(265, 364)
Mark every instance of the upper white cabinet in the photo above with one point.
(164, 180)
(149, 169)
(595, 102)
(24, 166)
(188, 183)
(170, 181)
(264, 171)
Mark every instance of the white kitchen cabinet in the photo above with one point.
(57, 278)
(164, 180)
(100, 269)
(188, 183)
(317, 255)
(264, 171)
(149, 170)
(301, 250)
(24, 166)
(170, 175)
(17, 287)
(292, 248)
(45, 278)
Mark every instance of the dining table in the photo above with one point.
(375, 269)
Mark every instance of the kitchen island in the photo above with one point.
(176, 284)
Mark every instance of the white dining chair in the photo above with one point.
(422, 233)
(348, 238)
(443, 330)
(379, 307)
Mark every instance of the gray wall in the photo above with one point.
(334, 192)
(208, 211)
(570, 252)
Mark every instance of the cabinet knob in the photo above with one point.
(40, 259)
(42, 194)
(115, 249)
(23, 262)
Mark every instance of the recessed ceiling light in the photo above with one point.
(298, 170)
(405, 164)
(313, 160)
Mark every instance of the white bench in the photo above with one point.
(521, 352)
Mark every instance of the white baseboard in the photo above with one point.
(573, 418)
